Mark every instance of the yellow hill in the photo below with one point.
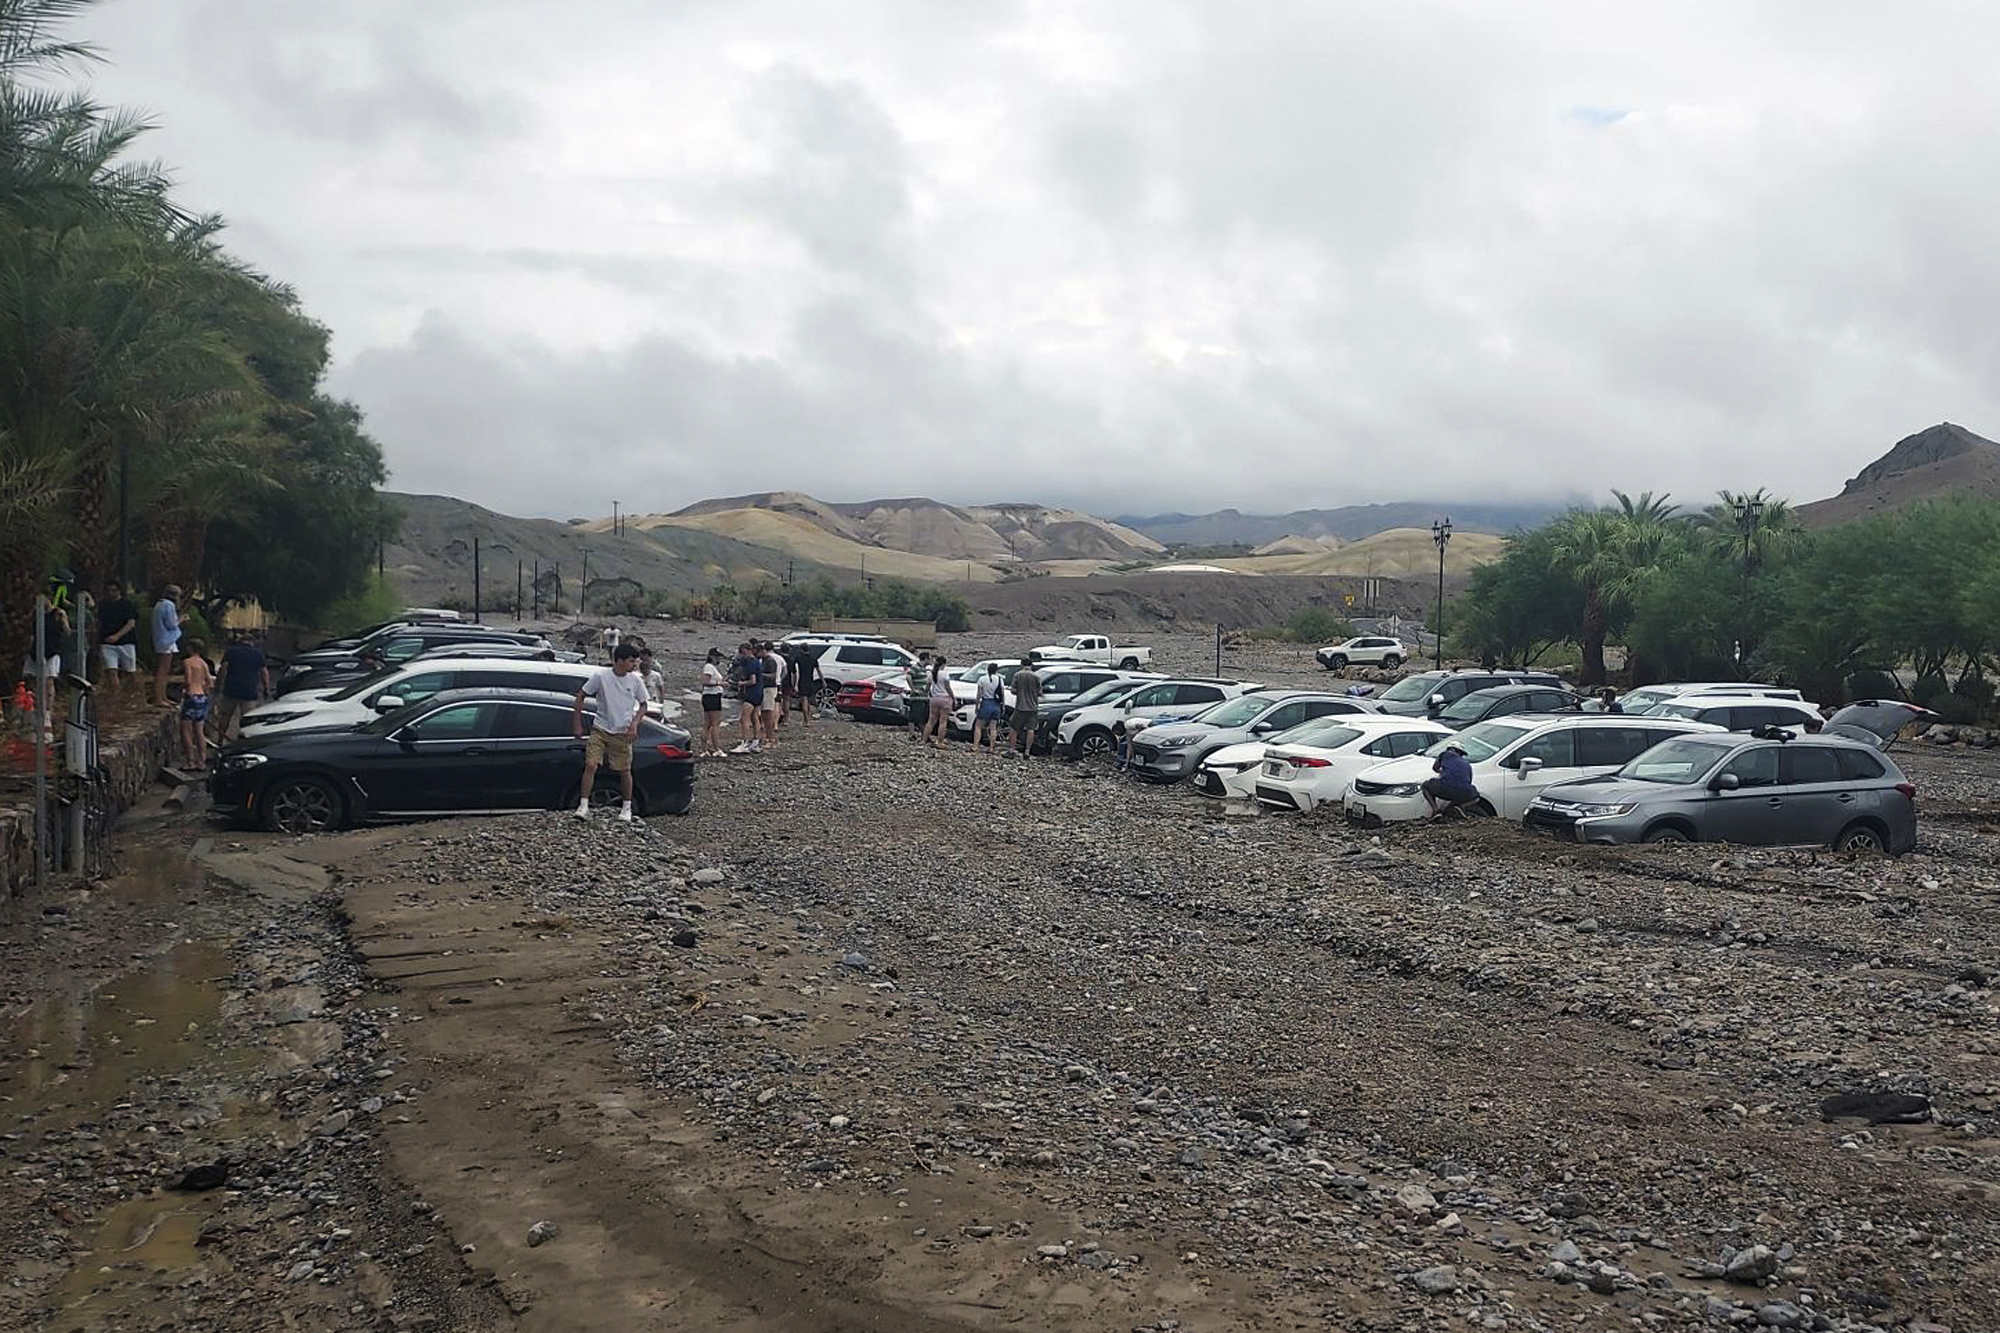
(801, 537)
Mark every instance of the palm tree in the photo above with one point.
(1609, 553)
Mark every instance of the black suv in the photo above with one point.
(1428, 692)
(324, 668)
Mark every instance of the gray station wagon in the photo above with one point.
(1769, 789)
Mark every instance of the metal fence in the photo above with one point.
(71, 788)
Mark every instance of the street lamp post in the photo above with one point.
(583, 588)
(476, 616)
(1749, 512)
(538, 590)
(1441, 534)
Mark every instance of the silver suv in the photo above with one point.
(1170, 751)
(1764, 790)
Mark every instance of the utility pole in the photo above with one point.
(1749, 511)
(519, 604)
(538, 589)
(476, 616)
(1441, 534)
(125, 516)
(557, 596)
(583, 588)
(617, 523)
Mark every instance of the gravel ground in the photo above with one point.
(884, 1038)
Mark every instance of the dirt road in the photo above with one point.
(884, 1039)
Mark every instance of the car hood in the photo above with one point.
(1613, 790)
(1161, 729)
(1410, 768)
(1229, 755)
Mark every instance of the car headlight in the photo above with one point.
(1214, 767)
(243, 760)
(1175, 742)
(1072, 715)
(1599, 811)
(269, 719)
(1403, 789)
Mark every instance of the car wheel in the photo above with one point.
(1129, 664)
(1091, 742)
(1338, 662)
(1666, 833)
(678, 801)
(302, 805)
(1390, 661)
(1860, 838)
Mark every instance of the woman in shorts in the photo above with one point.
(940, 696)
(711, 705)
(196, 679)
(991, 702)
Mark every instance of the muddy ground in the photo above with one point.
(878, 1038)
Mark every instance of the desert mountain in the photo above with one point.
(1942, 460)
(1294, 545)
(1349, 523)
(1395, 553)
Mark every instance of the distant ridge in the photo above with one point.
(1225, 527)
(1945, 459)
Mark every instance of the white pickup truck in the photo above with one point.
(1093, 648)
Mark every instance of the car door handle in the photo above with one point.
(473, 749)
(1774, 801)
(1846, 798)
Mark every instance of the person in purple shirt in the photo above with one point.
(1453, 784)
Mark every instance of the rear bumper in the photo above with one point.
(1280, 798)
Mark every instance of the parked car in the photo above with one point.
(1513, 759)
(333, 668)
(1368, 650)
(1753, 790)
(844, 660)
(411, 683)
(1170, 751)
(404, 621)
(1305, 774)
(461, 752)
(884, 697)
(1649, 697)
(1232, 771)
(519, 651)
(1428, 692)
(1089, 728)
(1743, 712)
(1050, 712)
(1094, 648)
(1502, 700)
(1063, 681)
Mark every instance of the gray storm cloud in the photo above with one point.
(1125, 256)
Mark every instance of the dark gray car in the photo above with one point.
(1170, 751)
(1758, 791)
(1427, 693)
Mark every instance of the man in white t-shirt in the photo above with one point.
(621, 705)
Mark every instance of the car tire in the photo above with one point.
(1338, 662)
(1666, 833)
(1390, 661)
(605, 794)
(301, 805)
(1861, 837)
(1092, 741)
(678, 801)
(1129, 664)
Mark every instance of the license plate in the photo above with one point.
(1274, 769)
(1355, 811)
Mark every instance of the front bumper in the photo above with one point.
(1161, 765)
(1238, 786)
(1371, 810)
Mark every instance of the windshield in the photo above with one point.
(1236, 712)
(1481, 742)
(1679, 761)
(1692, 712)
(349, 691)
(1468, 707)
(1411, 689)
(1322, 733)
(1638, 701)
(1108, 692)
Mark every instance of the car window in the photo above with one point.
(1755, 768)
(1240, 712)
(1453, 689)
(1811, 763)
(402, 650)
(1330, 708)
(859, 656)
(1284, 716)
(1556, 749)
(420, 686)
(1614, 747)
(459, 722)
(1411, 689)
(1197, 694)
(1411, 742)
(519, 721)
(1155, 696)
(1859, 765)
(1062, 682)
(1385, 747)
(1481, 741)
(1549, 701)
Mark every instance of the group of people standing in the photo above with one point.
(931, 703)
(770, 680)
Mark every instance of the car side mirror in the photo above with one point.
(1725, 782)
(408, 737)
(1437, 701)
(1529, 764)
(388, 703)
(1263, 729)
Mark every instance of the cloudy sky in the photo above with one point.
(1132, 255)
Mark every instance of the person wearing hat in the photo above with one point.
(1453, 784)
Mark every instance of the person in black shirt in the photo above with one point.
(117, 639)
(246, 678)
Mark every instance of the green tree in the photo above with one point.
(1519, 606)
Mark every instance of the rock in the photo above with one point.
(1440, 1280)
(684, 939)
(1076, 1073)
(1053, 1251)
(979, 1232)
(1780, 1314)
(1098, 1259)
(211, 1177)
(335, 1124)
(371, 1106)
(300, 1271)
(1602, 1278)
(839, 1122)
(541, 1233)
(708, 875)
(1416, 1201)
(856, 961)
(1750, 1265)
(1565, 1252)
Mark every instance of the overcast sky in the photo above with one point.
(1131, 256)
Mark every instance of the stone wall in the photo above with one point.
(132, 755)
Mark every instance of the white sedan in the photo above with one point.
(1232, 771)
(1304, 771)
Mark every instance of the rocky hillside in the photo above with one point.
(1945, 459)
(1349, 523)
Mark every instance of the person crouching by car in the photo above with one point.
(1453, 784)
(621, 703)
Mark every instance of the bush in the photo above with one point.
(1873, 684)
(1955, 708)
(1976, 688)
(1929, 689)
(374, 603)
(1316, 624)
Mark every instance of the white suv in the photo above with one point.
(1368, 650)
(410, 684)
(1088, 731)
(843, 661)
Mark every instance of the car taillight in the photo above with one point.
(1309, 763)
(671, 751)
(1908, 789)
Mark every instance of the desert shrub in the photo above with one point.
(1955, 708)
(1873, 684)
(1928, 689)
(1316, 624)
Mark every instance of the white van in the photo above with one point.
(408, 684)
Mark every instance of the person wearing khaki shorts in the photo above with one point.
(621, 705)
